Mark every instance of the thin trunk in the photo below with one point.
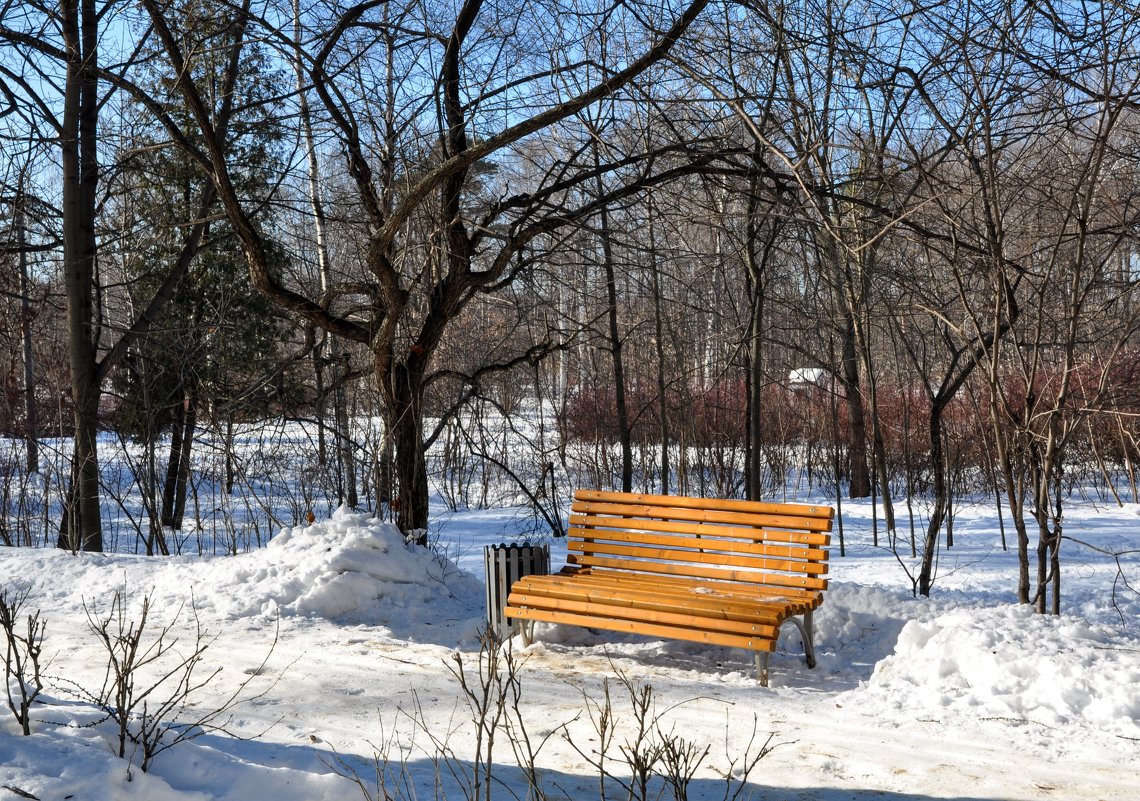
(908, 466)
(659, 331)
(345, 474)
(231, 458)
(882, 479)
(1055, 565)
(938, 511)
(173, 461)
(1015, 494)
(80, 175)
(755, 263)
(624, 435)
(1127, 446)
(860, 480)
(949, 505)
(31, 421)
(319, 388)
(178, 464)
(183, 476)
(878, 454)
(838, 468)
(345, 455)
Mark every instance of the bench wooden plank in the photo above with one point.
(691, 502)
(712, 556)
(652, 630)
(725, 574)
(810, 539)
(721, 606)
(759, 627)
(617, 511)
(729, 538)
(752, 593)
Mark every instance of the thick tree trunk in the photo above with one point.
(83, 528)
(405, 409)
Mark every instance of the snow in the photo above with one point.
(349, 643)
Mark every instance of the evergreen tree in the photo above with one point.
(216, 345)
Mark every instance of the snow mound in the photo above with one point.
(350, 569)
(1008, 663)
(862, 620)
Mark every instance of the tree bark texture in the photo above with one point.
(83, 529)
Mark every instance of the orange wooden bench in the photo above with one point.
(722, 572)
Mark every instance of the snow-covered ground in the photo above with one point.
(965, 695)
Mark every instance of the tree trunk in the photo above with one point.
(405, 410)
(178, 465)
(183, 478)
(938, 511)
(879, 468)
(346, 461)
(231, 458)
(624, 436)
(755, 262)
(31, 421)
(173, 462)
(1015, 499)
(319, 403)
(83, 529)
(659, 332)
(860, 486)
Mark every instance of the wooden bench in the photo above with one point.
(722, 572)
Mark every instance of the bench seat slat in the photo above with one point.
(698, 571)
(779, 595)
(696, 536)
(618, 510)
(757, 627)
(691, 555)
(718, 606)
(791, 597)
(769, 535)
(649, 629)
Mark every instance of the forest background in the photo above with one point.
(495, 250)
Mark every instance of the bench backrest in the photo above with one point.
(775, 545)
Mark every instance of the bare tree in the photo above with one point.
(63, 42)
(411, 288)
(1033, 110)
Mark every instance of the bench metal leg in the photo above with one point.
(526, 627)
(809, 640)
(762, 667)
(807, 635)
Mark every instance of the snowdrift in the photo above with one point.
(348, 569)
